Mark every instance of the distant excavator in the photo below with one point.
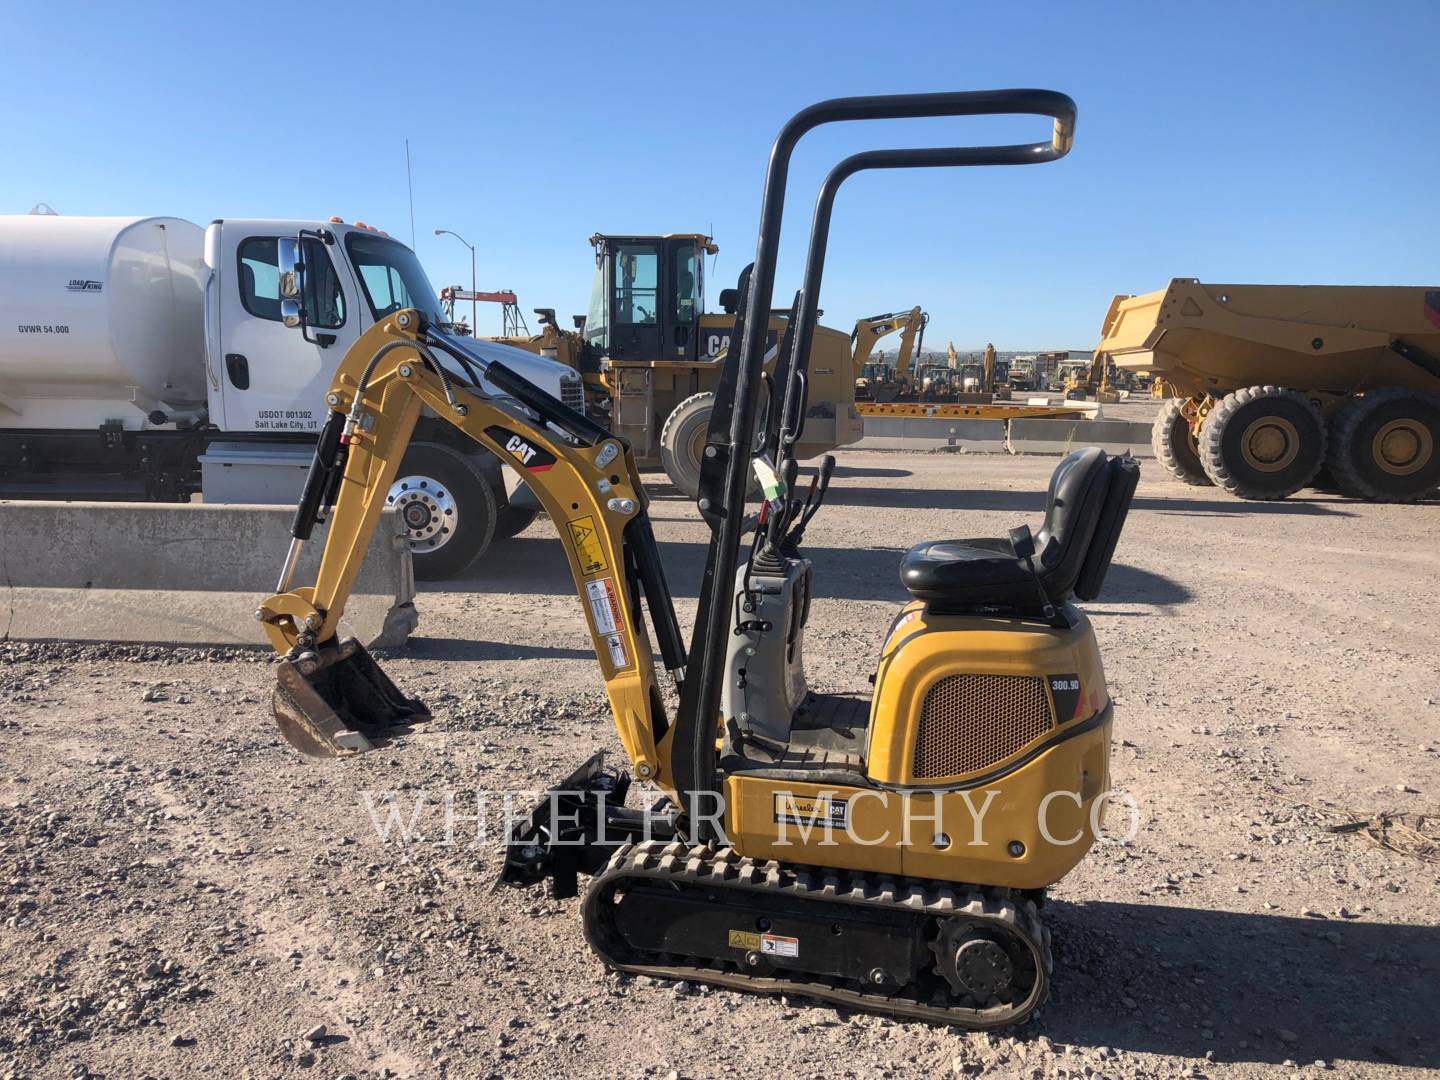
(882, 382)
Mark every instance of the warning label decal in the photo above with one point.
(604, 605)
(587, 545)
(744, 939)
(775, 945)
(768, 944)
(617, 650)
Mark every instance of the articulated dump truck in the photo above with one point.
(1273, 384)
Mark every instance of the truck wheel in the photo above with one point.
(1175, 446)
(682, 441)
(1263, 442)
(447, 508)
(513, 520)
(1385, 446)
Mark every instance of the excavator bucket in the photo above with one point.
(337, 702)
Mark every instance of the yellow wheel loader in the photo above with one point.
(651, 356)
(886, 852)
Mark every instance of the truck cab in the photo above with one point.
(269, 379)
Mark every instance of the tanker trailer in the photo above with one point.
(1272, 383)
(102, 337)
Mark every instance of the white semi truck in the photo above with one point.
(146, 358)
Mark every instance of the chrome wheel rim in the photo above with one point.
(427, 510)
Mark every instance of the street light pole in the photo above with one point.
(474, 303)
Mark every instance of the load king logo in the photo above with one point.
(84, 285)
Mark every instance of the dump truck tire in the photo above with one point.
(682, 441)
(1325, 479)
(1385, 446)
(1175, 446)
(1263, 442)
(446, 507)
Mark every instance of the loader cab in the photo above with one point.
(647, 297)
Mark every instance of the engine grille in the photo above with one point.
(572, 392)
(970, 722)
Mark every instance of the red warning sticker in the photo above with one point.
(604, 605)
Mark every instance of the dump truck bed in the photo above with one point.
(1325, 338)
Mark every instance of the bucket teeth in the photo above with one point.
(336, 702)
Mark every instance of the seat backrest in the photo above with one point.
(1124, 476)
(1073, 509)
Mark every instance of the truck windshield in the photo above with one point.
(391, 276)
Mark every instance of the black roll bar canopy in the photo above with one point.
(730, 440)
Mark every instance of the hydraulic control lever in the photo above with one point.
(819, 485)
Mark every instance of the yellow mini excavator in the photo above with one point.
(887, 851)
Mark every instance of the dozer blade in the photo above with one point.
(337, 702)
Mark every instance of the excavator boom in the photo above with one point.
(331, 698)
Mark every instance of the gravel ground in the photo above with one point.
(181, 894)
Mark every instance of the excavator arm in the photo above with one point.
(331, 698)
(912, 340)
(871, 329)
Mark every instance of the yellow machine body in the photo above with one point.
(892, 383)
(974, 774)
(970, 716)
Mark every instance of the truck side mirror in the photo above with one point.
(292, 280)
(287, 261)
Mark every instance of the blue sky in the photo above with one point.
(1272, 142)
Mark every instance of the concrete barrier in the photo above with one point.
(183, 574)
(932, 433)
(1063, 435)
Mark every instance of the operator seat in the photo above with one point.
(1088, 501)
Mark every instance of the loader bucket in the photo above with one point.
(337, 702)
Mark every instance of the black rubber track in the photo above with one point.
(720, 870)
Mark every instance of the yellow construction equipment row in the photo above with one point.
(967, 412)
